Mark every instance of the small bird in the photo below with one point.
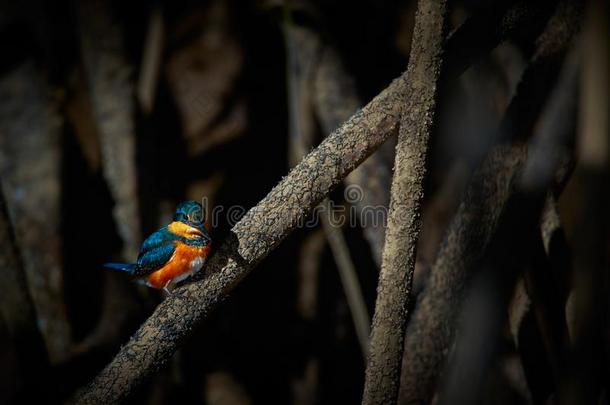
(174, 252)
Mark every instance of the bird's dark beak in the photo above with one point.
(201, 227)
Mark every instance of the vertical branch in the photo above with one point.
(398, 263)
(111, 89)
(30, 171)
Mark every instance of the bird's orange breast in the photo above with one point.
(178, 265)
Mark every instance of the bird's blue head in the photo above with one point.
(191, 213)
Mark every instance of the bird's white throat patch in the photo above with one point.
(195, 266)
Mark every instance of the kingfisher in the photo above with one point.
(174, 252)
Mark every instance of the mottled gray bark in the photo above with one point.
(404, 219)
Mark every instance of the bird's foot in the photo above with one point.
(166, 288)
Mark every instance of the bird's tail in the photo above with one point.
(126, 267)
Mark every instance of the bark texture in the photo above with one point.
(404, 222)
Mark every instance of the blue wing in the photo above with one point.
(156, 251)
(159, 238)
(154, 259)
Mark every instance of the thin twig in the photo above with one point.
(349, 277)
(300, 46)
(151, 60)
(335, 98)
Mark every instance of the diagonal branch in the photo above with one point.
(398, 260)
(252, 238)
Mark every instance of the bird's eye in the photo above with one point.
(194, 218)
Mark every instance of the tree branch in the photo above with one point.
(252, 238)
(30, 173)
(398, 260)
(111, 91)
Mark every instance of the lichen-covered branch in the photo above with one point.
(404, 220)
